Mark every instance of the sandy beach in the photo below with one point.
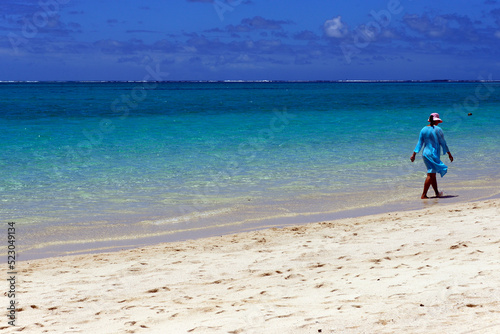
(429, 271)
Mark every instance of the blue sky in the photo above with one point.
(249, 39)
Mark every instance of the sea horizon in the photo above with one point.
(262, 81)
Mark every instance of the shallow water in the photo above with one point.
(96, 165)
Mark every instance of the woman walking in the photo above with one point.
(431, 139)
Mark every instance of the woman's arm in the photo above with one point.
(442, 142)
(420, 142)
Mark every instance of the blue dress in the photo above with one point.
(432, 139)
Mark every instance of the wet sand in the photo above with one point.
(427, 271)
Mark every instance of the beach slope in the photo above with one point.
(429, 271)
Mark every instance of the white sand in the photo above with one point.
(431, 271)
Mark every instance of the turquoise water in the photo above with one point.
(88, 166)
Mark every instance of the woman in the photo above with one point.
(432, 139)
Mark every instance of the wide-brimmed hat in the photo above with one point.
(435, 118)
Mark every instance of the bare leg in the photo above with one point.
(427, 184)
(434, 184)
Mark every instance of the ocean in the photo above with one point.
(98, 166)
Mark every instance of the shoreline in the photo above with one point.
(415, 271)
(64, 242)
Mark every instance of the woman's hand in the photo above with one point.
(412, 158)
(450, 156)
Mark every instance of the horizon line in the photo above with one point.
(254, 81)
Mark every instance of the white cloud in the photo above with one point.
(389, 34)
(335, 28)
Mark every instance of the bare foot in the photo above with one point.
(424, 197)
(441, 194)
